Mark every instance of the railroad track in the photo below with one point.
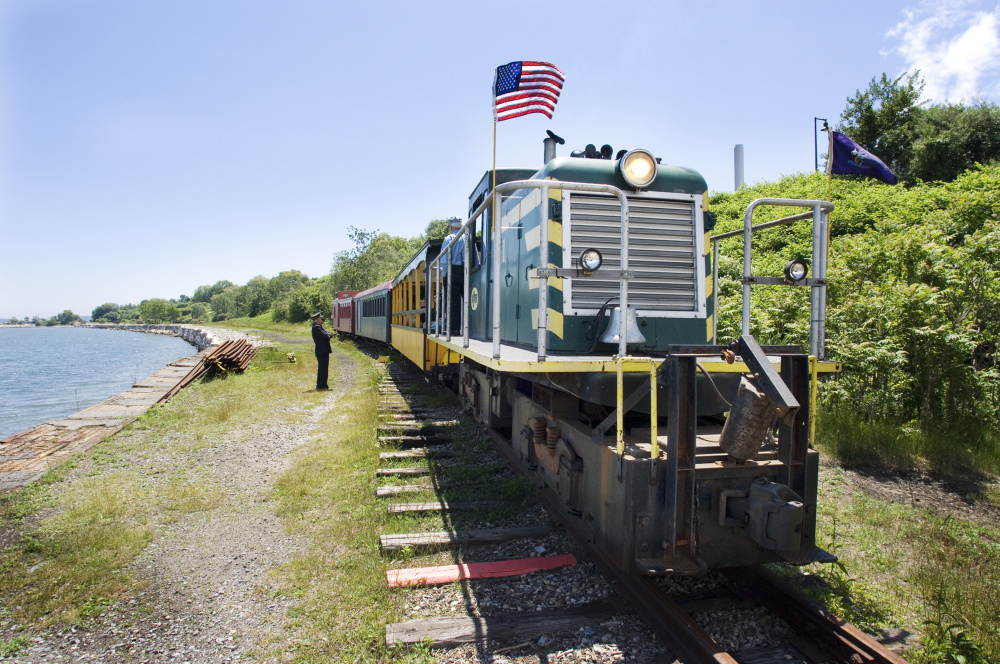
(502, 574)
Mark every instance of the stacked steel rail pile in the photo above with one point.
(232, 355)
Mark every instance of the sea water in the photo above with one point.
(50, 372)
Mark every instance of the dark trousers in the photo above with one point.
(457, 293)
(322, 370)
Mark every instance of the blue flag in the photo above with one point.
(849, 158)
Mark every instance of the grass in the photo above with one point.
(85, 521)
(328, 496)
(904, 565)
(969, 449)
(11, 647)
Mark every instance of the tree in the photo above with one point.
(934, 143)
(285, 283)
(206, 293)
(883, 119)
(307, 301)
(67, 317)
(953, 138)
(376, 257)
(224, 304)
(254, 298)
(199, 312)
(107, 312)
(158, 310)
(436, 229)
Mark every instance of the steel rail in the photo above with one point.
(671, 625)
(677, 630)
(837, 636)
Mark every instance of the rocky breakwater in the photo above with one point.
(200, 337)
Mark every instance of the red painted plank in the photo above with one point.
(426, 576)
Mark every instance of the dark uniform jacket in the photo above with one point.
(322, 339)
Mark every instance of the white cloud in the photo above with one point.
(956, 46)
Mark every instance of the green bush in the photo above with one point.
(913, 310)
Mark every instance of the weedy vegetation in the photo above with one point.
(904, 565)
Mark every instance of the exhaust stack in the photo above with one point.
(550, 144)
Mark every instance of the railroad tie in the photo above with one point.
(416, 453)
(448, 631)
(442, 505)
(403, 472)
(434, 485)
(425, 576)
(453, 539)
(395, 490)
(411, 441)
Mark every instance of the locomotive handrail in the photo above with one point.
(543, 291)
(820, 215)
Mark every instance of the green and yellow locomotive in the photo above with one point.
(573, 312)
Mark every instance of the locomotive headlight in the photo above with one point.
(795, 270)
(638, 168)
(590, 260)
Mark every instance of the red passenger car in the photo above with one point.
(343, 311)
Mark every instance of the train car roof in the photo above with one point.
(374, 289)
(486, 183)
(672, 179)
(429, 251)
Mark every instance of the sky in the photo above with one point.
(147, 148)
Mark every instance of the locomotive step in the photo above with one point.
(453, 539)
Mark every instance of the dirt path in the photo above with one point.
(204, 591)
(944, 495)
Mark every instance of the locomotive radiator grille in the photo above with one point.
(661, 251)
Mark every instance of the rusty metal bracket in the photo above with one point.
(775, 389)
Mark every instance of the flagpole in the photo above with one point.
(494, 169)
(829, 195)
(829, 168)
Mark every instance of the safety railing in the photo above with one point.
(654, 445)
(820, 215)
(496, 252)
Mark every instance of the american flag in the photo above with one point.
(520, 88)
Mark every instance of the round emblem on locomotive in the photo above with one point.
(474, 298)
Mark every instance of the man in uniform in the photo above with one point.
(322, 340)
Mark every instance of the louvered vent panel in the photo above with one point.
(661, 252)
